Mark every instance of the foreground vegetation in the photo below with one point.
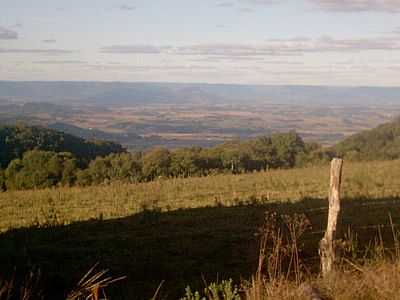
(178, 231)
(373, 180)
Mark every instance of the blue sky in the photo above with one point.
(313, 42)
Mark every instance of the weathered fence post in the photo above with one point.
(326, 246)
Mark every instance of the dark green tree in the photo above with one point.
(186, 162)
(156, 163)
(40, 169)
(287, 146)
(16, 140)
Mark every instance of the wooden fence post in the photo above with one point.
(326, 246)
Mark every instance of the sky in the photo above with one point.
(286, 42)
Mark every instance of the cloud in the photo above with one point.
(149, 68)
(230, 50)
(49, 41)
(126, 7)
(60, 62)
(390, 6)
(273, 47)
(36, 51)
(262, 2)
(295, 46)
(132, 49)
(387, 6)
(8, 34)
(246, 10)
(225, 4)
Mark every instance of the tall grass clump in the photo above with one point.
(370, 273)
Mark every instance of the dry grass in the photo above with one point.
(214, 239)
(92, 286)
(373, 180)
(355, 278)
(378, 280)
(352, 279)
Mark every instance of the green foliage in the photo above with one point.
(215, 291)
(263, 153)
(40, 169)
(381, 143)
(16, 140)
(156, 163)
(314, 154)
(287, 146)
(106, 162)
(282, 150)
(115, 167)
(187, 162)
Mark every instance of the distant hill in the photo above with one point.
(91, 133)
(15, 140)
(33, 113)
(382, 142)
(125, 93)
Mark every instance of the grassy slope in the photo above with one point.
(373, 179)
(202, 230)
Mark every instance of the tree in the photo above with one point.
(287, 146)
(263, 151)
(115, 167)
(156, 163)
(40, 169)
(186, 162)
(16, 140)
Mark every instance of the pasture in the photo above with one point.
(183, 231)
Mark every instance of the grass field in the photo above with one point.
(372, 180)
(181, 230)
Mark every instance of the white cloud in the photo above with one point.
(35, 51)
(60, 62)
(295, 46)
(225, 4)
(274, 47)
(390, 6)
(130, 49)
(387, 6)
(49, 41)
(127, 7)
(8, 34)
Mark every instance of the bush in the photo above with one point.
(41, 169)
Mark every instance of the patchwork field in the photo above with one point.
(187, 124)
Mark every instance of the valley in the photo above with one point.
(202, 115)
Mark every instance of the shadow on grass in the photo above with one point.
(180, 247)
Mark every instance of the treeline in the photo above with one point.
(35, 157)
(39, 168)
(16, 140)
(380, 143)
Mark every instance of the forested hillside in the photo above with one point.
(16, 140)
(35, 157)
(380, 143)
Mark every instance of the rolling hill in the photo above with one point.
(380, 143)
(15, 140)
(130, 93)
